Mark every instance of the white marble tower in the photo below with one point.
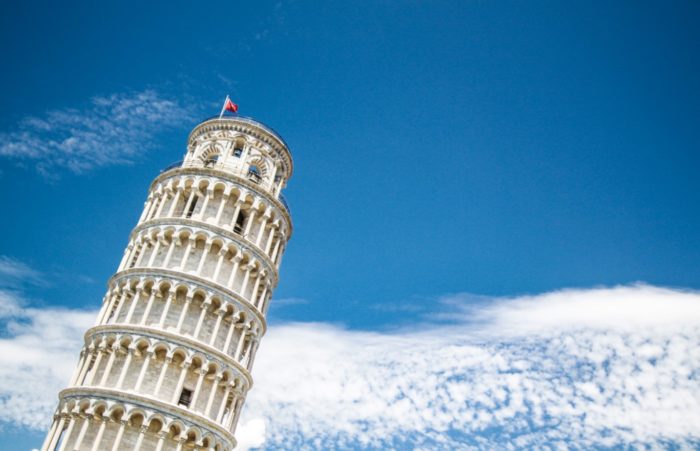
(167, 364)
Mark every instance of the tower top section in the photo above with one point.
(241, 146)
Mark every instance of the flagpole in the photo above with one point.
(223, 108)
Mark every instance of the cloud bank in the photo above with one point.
(576, 368)
(110, 130)
(38, 352)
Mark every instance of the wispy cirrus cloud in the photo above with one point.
(584, 368)
(14, 273)
(288, 302)
(109, 130)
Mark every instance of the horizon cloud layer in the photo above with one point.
(585, 368)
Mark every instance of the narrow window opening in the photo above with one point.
(240, 222)
(228, 409)
(237, 152)
(92, 362)
(185, 397)
(192, 207)
(111, 312)
(134, 258)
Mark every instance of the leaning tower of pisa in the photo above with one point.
(167, 364)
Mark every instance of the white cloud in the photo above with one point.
(14, 272)
(621, 308)
(287, 302)
(600, 367)
(110, 130)
(582, 368)
(38, 352)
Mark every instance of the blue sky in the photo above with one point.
(448, 156)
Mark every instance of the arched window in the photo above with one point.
(211, 161)
(238, 148)
(254, 173)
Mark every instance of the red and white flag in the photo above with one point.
(228, 106)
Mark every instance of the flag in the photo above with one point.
(228, 106)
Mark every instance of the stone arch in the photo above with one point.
(141, 344)
(116, 411)
(179, 354)
(99, 408)
(211, 153)
(235, 192)
(203, 184)
(125, 341)
(176, 429)
(160, 346)
(156, 422)
(136, 416)
(218, 240)
(216, 301)
(82, 405)
(193, 434)
(208, 440)
(247, 198)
